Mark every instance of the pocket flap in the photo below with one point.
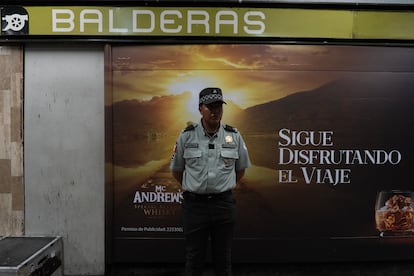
(230, 154)
(192, 153)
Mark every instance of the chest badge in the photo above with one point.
(228, 139)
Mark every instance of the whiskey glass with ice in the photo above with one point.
(394, 213)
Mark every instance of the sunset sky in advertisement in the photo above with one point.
(248, 75)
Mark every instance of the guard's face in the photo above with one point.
(212, 113)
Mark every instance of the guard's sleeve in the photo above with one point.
(244, 160)
(177, 160)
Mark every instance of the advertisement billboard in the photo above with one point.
(328, 133)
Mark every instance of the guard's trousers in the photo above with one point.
(208, 218)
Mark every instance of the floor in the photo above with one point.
(330, 269)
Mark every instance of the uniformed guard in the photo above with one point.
(209, 159)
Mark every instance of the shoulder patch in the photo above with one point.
(230, 128)
(190, 127)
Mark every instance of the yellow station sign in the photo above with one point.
(206, 22)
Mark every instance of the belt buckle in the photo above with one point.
(209, 196)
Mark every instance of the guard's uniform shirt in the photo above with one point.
(209, 163)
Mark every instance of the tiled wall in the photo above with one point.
(11, 141)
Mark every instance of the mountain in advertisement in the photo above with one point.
(370, 110)
(366, 110)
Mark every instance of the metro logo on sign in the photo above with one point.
(14, 21)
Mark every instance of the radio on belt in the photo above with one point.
(34, 256)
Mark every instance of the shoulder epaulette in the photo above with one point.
(190, 127)
(230, 128)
